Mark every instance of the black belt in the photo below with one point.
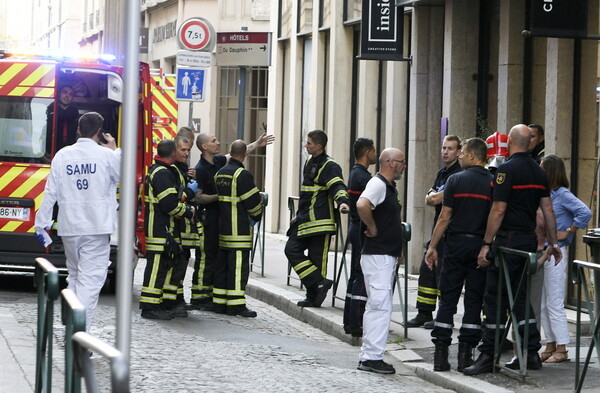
(465, 235)
(504, 233)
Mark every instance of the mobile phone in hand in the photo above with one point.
(102, 139)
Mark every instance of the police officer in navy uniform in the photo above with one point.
(467, 202)
(428, 291)
(520, 187)
(356, 293)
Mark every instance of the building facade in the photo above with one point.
(469, 72)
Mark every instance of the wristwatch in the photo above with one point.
(569, 229)
(487, 244)
(555, 245)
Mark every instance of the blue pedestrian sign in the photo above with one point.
(190, 84)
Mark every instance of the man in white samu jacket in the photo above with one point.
(83, 181)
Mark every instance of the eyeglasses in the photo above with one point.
(399, 161)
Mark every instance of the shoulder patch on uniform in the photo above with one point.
(500, 177)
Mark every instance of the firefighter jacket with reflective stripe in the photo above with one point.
(322, 184)
(239, 203)
(163, 206)
(189, 232)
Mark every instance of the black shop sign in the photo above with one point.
(381, 30)
(559, 18)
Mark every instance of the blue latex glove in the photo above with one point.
(193, 185)
(39, 238)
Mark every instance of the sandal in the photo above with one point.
(558, 357)
(548, 351)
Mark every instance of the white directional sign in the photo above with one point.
(196, 34)
(194, 59)
(244, 49)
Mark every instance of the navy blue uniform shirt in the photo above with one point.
(469, 195)
(521, 183)
(205, 176)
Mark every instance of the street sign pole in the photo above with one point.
(242, 104)
(127, 201)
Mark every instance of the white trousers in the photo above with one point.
(87, 264)
(553, 316)
(379, 273)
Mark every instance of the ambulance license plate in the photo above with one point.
(14, 213)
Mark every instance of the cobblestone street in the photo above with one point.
(212, 352)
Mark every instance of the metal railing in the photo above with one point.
(292, 209)
(524, 284)
(46, 282)
(406, 237)
(78, 345)
(339, 239)
(580, 279)
(259, 237)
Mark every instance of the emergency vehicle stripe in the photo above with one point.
(7, 178)
(8, 74)
(525, 186)
(35, 179)
(11, 226)
(467, 195)
(37, 75)
(22, 79)
(33, 188)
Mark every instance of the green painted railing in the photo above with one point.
(259, 237)
(524, 285)
(582, 286)
(46, 282)
(78, 345)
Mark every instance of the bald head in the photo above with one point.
(202, 139)
(238, 150)
(391, 163)
(519, 138)
(390, 153)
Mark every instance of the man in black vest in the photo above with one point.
(379, 209)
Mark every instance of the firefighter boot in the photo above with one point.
(440, 357)
(465, 356)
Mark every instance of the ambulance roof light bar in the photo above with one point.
(59, 55)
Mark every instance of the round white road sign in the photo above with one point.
(196, 34)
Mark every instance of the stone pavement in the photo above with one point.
(412, 355)
(415, 351)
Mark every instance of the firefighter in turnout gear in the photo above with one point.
(173, 288)
(240, 206)
(206, 197)
(162, 230)
(315, 222)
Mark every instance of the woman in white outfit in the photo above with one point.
(571, 214)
